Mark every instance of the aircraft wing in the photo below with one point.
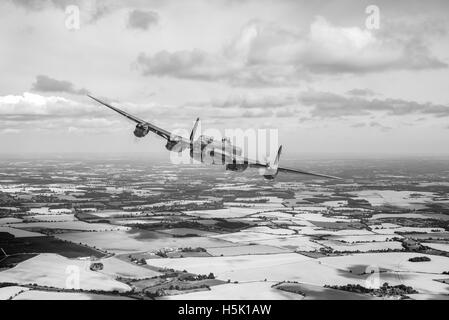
(159, 131)
(258, 164)
(289, 170)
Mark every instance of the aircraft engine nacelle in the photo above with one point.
(141, 130)
(270, 173)
(237, 167)
(175, 145)
(228, 147)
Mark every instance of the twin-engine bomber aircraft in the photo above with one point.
(220, 152)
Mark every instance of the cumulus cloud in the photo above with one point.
(91, 10)
(331, 105)
(361, 93)
(46, 84)
(253, 101)
(31, 111)
(143, 20)
(266, 54)
(195, 64)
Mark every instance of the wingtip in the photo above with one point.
(336, 178)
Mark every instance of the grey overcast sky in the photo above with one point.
(311, 69)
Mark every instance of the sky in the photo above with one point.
(328, 75)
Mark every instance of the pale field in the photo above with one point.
(394, 198)
(125, 242)
(245, 236)
(175, 203)
(279, 267)
(314, 292)
(438, 246)
(301, 222)
(224, 266)
(394, 261)
(430, 236)
(239, 291)
(252, 205)
(422, 282)
(4, 221)
(48, 217)
(424, 296)
(245, 250)
(384, 226)
(363, 238)
(70, 225)
(283, 222)
(399, 215)
(186, 231)
(306, 209)
(51, 295)
(18, 233)
(310, 231)
(420, 230)
(118, 268)
(273, 215)
(48, 211)
(43, 210)
(268, 230)
(392, 231)
(362, 247)
(224, 213)
(8, 292)
(116, 213)
(419, 275)
(343, 210)
(270, 199)
(429, 184)
(54, 270)
(126, 222)
(298, 243)
(335, 204)
(229, 186)
(319, 217)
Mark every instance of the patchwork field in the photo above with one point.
(240, 291)
(69, 225)
(10, 292)
(118, 268)
(361, 247)
(231, 212)
(438, 246)
(19, 233)
(51, 295)
(245, 250)
(124, 241)
(53, 270)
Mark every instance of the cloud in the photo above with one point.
(254, 101)
(42, 4)
(331, 105)
(46, 84)
(34, 111)
(143, 20)
(361, 93)
(91, 10)
(195, 64)
(265, 54)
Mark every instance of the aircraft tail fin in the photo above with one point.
(195, 126)
(276, 160)
(272, 169)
